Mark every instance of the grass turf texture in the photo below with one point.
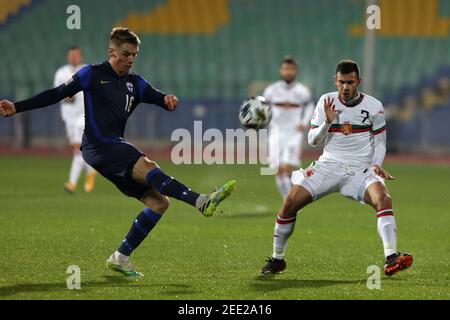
(44, 230)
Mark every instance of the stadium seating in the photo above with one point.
(223, 50)
(216, 49)
(11, 8)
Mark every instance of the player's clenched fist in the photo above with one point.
(330, 111)
(171, 101)
(7, 108)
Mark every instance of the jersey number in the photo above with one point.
(366, 115)
(129, 103)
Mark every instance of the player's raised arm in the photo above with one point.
(43, 99)
(379, 144)
(148, 94)
(323, 117)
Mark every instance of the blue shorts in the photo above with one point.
(115, 161)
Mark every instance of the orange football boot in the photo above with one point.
(397, 262)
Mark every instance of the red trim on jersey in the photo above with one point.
(360, 130)
(381, 130)
(339, 130)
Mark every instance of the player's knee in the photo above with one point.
(382, 201)
(162, 205)
(290, 207)
(297, 199)
(386, 200)
(150, 165)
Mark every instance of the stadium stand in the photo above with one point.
(212, 52)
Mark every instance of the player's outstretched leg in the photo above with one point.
(214, 199)
(284, 227)
(148, 172)
(377, 196)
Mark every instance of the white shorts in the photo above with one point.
(325, 177)
(285, 150)
(74, 130)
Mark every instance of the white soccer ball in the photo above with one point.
(255, 113)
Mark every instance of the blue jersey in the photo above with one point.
(109, 100)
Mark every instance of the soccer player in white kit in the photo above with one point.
(72, 113)
(292, 108)
(354, 129)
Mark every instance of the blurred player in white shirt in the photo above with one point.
(72, 113)
(292, 107)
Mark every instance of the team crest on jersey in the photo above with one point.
(130, 87)
(346, 128)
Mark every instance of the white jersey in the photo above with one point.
(291, 106)
(350, 139)
(70, 112)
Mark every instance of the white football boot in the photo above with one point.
(121, 263)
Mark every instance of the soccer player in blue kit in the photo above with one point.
(111, 93)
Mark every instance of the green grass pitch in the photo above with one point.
(44, 230)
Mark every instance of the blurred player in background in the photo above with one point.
(292, 108)
(111, 93)
(72, 113)
(354, 129)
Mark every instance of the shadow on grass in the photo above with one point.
(272, 283)
(108, 282)
(247, 215)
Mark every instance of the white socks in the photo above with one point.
(387, 230)
(284, 184)
(283, 230)
(76, 167)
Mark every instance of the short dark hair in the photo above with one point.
(289, 60)
(347, 66)
(122, 35)
(74, 47)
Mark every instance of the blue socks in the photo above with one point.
(140, 228)
(170, 187)
(147, 219)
